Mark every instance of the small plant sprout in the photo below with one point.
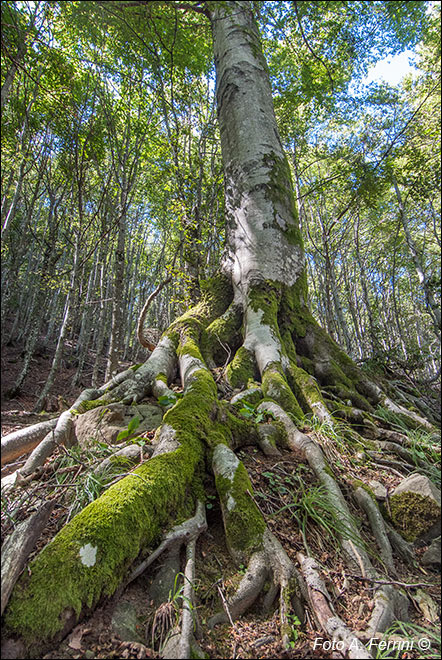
(248, 411)
(131, 427)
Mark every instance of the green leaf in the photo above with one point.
(167, 400)
(133, 424)
(122, 434)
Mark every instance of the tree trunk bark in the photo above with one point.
(432, 305)
(263, 238)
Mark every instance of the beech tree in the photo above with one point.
(251, 335)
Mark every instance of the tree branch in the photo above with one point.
(187, 6)
(295, 4)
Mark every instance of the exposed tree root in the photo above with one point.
(402, 547)
(307, 450)
(200, 433)
(370, 507)
(187, 619)
(323, 611)
(18, 546)
(184, 533)
(23, 441)
(246, 532)
(248, 591)
(43, 438)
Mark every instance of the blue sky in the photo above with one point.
(392, 69)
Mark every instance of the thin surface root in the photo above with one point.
(323, 611)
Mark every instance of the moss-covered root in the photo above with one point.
(276, 387)
(241, 369)
(187, 531)
(271, 562)
(90, 556)
(321, 604)
(249, 540)
(222, 335)
(308, 393)
(369, 505)
(243, 522)
(335, 370)
(409, 417)
(248, 590)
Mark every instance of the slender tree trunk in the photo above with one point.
(10, 74)
(353, 312)
(63, 332)
(36, 313)
(99, 339)
(117, 295)
(84, 338)
(432, 305)
(365, 295)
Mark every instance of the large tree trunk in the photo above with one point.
(263, 238)
(257, 308)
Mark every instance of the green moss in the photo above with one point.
(305, 388)
(320, 354)
(244, 524)
(266, 297)
(199, 413)
(129, 516)
(89, 405)
(241, 369)
(357, 483)
(253, 41)
(196, 653)
(222, 332)
(217, 294)
(288, 344)
(190, 347)
(275, 386)
(308, 365)
(283, 440)
(280, 192)
(293, 311)
(135, 367)
(251, 396)
(241, 431)
(328, 470)
(413, 514)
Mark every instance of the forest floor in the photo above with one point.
(281, 490)
(63, 391)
